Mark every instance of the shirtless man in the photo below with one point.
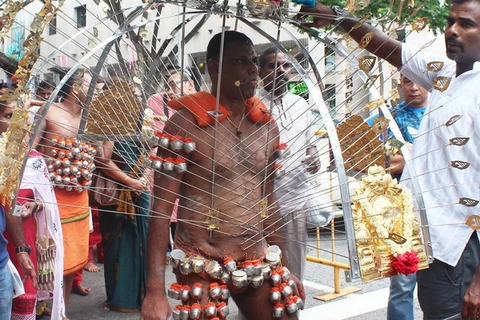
(237, 167)
(57, 138)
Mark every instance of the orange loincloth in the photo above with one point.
(74, 214)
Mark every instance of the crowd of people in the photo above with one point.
(233, 224)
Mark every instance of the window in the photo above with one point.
(52, 26)
(330, 90)
(81, 14)
(329, 59)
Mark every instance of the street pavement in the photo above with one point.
(369, 303)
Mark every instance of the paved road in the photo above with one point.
(369, 303)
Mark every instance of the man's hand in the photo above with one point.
(312, 160)
(28, 268)
(30, 208)
(300, 290)
(155, 307)
(322, 15)
(471, 300)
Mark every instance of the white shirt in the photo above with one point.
(441, 184)
(294, 120)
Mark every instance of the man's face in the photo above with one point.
(82, 90)
(44, 94)
(240, 71)
(414, 95)
(174, 86)
(279, 76)
(5, 118)
(462, 33)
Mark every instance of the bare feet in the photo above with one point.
(105, 306)
(90, 267)
(80, 289)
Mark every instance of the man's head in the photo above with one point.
(3, 88)
(178, 81)
(6, 111)
(44, 90)
(274, 70)
(462, 33)
(414, 95)
(239, 76)
(76, 86)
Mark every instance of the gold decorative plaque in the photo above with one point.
(385, 225)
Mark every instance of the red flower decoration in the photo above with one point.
(406, 263)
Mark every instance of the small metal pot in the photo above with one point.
(239, 279)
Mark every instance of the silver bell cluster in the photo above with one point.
(167, 165)
(175, 143)
(71, 164)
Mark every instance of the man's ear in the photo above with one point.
(213, 68)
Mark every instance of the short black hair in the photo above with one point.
(43, 85)
(213, 48)
(461, 1)
(262, 57)
(68, 86)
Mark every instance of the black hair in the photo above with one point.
(195, 76)
(262, 57)
(44, 85)
(68, 86)
(213, 48)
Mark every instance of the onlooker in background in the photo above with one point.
(294, 119)
(124, 226)
(22, 246)
(44, 91)
(158, 102)
(408, 115)
(451, 284)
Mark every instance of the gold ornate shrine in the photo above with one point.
(385, 225)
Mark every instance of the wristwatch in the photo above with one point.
(25, 249)
(339, 11)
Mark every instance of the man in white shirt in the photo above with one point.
(294, 119)
(444, 154)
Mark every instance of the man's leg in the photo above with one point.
(259, 298)
(6, 293)
(296, 236)
(441, 287)
(77, 285)
(67, 287)
(400, 301)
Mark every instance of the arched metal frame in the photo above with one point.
(315, 90)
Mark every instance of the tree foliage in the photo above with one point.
(386, 11)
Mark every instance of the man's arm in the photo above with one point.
(15, 229)
(471, 300)
(312, 160)
(381, 45)
(273, 225)
(165, 192)
(41, 129)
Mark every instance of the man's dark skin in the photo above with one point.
(462, 39)
(240, 164)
